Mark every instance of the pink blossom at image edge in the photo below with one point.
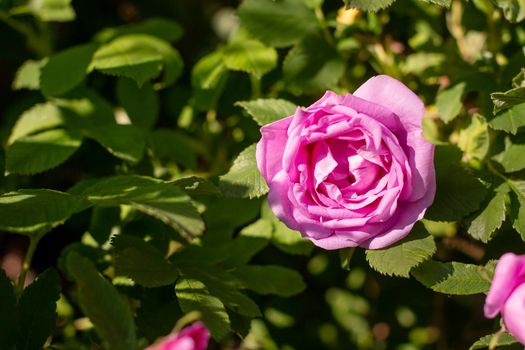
(194, 337)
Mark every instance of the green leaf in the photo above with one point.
(502, 340)
(504, 100)
(519, 80)
(266, 111)
(400, 258)
(512, 158)
(368, 5)
(26, 211)
(37, 310)
(452, 278)
(53, 10)
(140, 103)
(126, 142)
(449, 101)
(474, 140)
(250, 56)
(132, 56)
(40, 117)
(46, 150)
(103, 220)
(158, 199)
(518, 187)
(194, 296)
(270, 279)
(490, 219)
(208, 78)
(243, 179)
(509, 120)
(28, 75)
(278, 23)
(444, 3)
(513, 10)
(9, 314)
(313, 65)
(458, 193)
(161, 28)
(174, 145)
(66, 70)
(102, 303)
(142, 262)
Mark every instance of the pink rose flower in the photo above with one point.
(507, 294)
(351, 170)
(195, 337)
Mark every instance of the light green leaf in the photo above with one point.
(518, 187)
(474, 140)
(270, 279)
(194, 296)
(444, 3)
(66, 70)
(37, 310)
(449, 101)
(368, 5)
(519, 80)
(279, 24)
(513, 10)
(490, 219)
(250, 56)
(208, 78)
(38, 118)
(9, 314)
(153, 197)
(400, 258)
(509, 120)
(453, 278)
(102, 303)
(313, 65)
(512, 158)
(243, 179)
(161, 28)
(266, 111)
(502, 340)
(28, 75)
(140, 103)
(26, 211)
(53, 10)
(132, 56)
(504, 100)
(142, 262)
(37, 153)
(126, 142)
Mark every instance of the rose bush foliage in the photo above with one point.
(131, 201)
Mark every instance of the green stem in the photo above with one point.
(322, 21)
(33, 242)
(256, 87)
(494, 340)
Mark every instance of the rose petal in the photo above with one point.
(270, 148)
(509, 273)
(514, 313)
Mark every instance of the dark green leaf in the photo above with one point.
(243, 179)
(490, 219)
(174, 145)
(278, 23)
(126, 142)
(518, 187)
(194, 296)
(452, 278)
(313, 65)
(266, 111)
(37, 310)
(504, 100)
(9, 314)
(102, 303)
(141, 103)
(270, 279)
(143, 263)
(250, 56)
(26, 211)
(403, 256)
(37, 153)
(103, 220)
(159, 27)
(66, 70)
